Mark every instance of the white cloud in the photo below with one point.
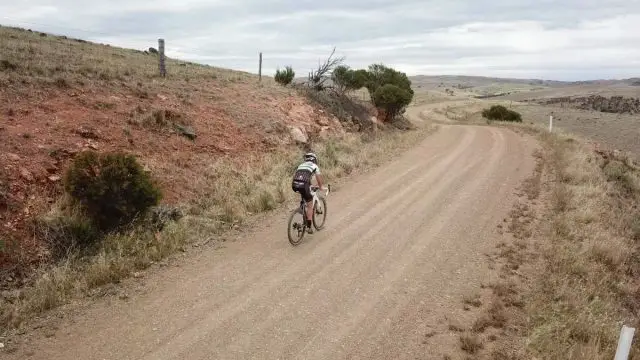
(571, 39)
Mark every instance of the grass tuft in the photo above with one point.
(471, 343)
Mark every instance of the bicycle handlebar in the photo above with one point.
(316, 188)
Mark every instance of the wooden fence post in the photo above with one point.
(260, 68)
(163, 69)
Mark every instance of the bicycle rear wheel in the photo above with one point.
(296, 229)
(320, 211)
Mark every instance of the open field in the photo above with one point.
(616, 89)
(619, 131)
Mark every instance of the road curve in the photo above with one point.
(401, 245)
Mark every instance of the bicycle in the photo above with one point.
(320, 208)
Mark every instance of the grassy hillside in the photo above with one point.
(220, 144)
(64, 96)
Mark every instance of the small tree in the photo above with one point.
(339, 77)
(379, 75)
(113, 188)
(286, 76)
(346, 79)
(392, 99)
(389, 89)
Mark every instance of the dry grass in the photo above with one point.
(117, 257)
(262, 184)
(63, 62)
(586, 284)
(473, 300)
(471, 343)
(579, 254)
(241, 190)
(496, 317)
(613, 130)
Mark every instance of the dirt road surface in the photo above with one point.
(402, 244)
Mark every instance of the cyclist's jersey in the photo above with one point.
(305, 172)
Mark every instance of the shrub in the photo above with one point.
(389, 89)
(501, 113)
(285, 77)
(392, 99)
(346, 79)
(380, 75)
(6, 65)
(113, 188)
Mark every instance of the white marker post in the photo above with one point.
(624, 343)
(550, 123)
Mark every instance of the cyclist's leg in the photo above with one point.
(307, 196)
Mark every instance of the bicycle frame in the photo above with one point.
(303, 204)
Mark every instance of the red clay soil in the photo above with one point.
(42, 128)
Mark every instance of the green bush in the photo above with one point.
(379, 75)
(501, 113)
(392, 99)
(112, 188)
(285, 77)
(346, 79)
(389, 89)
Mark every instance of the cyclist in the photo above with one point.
(302, 183)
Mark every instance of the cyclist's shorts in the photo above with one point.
(304, 189)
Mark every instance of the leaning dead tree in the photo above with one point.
(318, 77)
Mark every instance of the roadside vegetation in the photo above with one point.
(569, 266)
(588, 286)
(501, 113)
(284, 76)
(242, 190)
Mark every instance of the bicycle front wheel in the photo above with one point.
(319, 214)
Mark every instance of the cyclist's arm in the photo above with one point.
(319, 179)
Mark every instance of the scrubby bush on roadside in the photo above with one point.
(380, 75)
(112, 188)
(501, 113)
(346, 80)
(392, 99)
(285, 77)
(389, 89)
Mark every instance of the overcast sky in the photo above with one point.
(561, 40)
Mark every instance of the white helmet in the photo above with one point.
(311, 157)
